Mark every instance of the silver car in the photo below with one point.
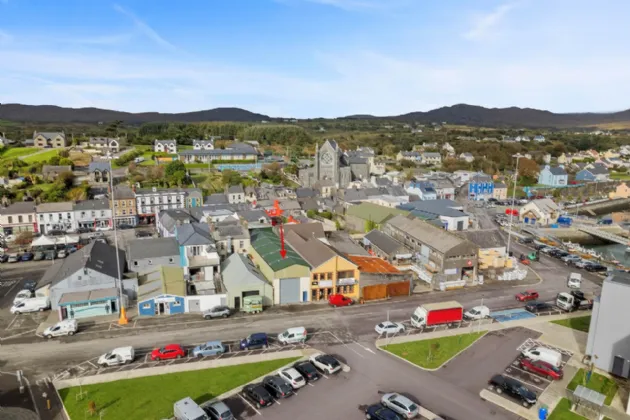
(217, 312)
(401, 405)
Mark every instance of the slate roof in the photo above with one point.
(306, 192)
(557, 170)
(597, 169)
(306, 230)
(308, 203)
(98, 166)
(65, 206)
(86, 205)
(165, 142)
(194, 234)
(56, 168)
(352, 194)
(236, 189)
(341, 242)
(384, 242)
(95, 256)
(437, 238)
(123, 193)
(486, 238)
(312, 250)
(546, 205)
(20, 207)
(254, 215)
(217, 198)
(357, 160)
(433, 155)
(49, 134)
(267, 245)
(173, 217)
(446, 208)
(239, 272)
(499, 185)
(140, 249)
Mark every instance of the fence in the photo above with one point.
(382, 291)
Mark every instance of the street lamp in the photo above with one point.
(123, 316)
(517, 156)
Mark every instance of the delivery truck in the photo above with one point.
(434, 314)
(574, 300)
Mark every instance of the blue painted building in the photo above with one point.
(553, 176)
(88, 304)
(593, 173)
(162, 292)
(480, 187)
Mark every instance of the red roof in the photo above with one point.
(373, 265)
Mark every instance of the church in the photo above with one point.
(331, 163)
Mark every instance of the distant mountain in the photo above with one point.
(511, 117)
(56, 114)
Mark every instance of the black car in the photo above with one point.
(540, 247)
(596, 268)
(143, 234)
(4, 258)
(559, 253)
(277, 386)
(307, 370)
(380, 412)
(513, 388)
(84, 230)
(257, 394)
(125, 227)
(535, 307)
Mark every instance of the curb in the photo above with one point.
(512, 407)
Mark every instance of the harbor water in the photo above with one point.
(617, 251)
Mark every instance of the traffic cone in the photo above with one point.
(123, 317)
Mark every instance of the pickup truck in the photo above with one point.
(573, 301)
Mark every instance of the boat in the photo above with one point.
(628, 250)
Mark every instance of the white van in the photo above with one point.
(65, 327)
(478, 312)
(187, 409)
(31, 305)
(544, 354)
(22, 295)
(118, 356)
(293, 335)
(574, 281)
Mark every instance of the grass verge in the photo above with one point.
(598, 383)
(41, 157)
(15, 152)
(581, 324)
(152, 397)
(563, 412)
(434, 352)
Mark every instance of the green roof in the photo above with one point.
(267, 245)
(374, 212)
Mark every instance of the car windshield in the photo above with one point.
(381, 325)
(563, 298)
(474, 312)
(412, 407)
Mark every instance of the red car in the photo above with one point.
(339, 300)
(527, 295)
(542, 368)
(170, 351)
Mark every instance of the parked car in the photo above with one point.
(38, 256)
(581, 263)
(380, 412)
(27, 256)
(526, 296)
(339, 300)
(84, 230)
(535, 307)
(56, 232)
(258, 394)
(254, 341)
(400, 404)
(542, 368)
(211, 348)
(100, 229)
(388, 327)
(124, 226)
(293, 335)
(170, 351)
(545, 354)
(23, 295)
(118, 356)
(65, 327)
(97, 234)
(325, 362)
(596, 268)
(570, 258)
(514, 388)
(540, 247)
(143, 234)
(35, 304)
(62, 253)
(217, 312)
(218, 411)
(293, 377)
(478, 312)
(4, 258)
(307, 370)
(13, 258)
(277, 386)
(51, 255)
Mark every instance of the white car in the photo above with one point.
(65, 327)
(325, 363)
(62, 253)
(388, 327)
(293, 377)
(478, 312)
(118, 356)
(31, 305)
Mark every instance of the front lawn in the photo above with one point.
(15, 152)
(434, 352)
(581, 324)
(563, 412)
(152, 397)
(621, 176)
(598, 383)
(41, 157)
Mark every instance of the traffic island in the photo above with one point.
(432, 353)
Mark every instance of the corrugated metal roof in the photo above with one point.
(374, 212)
(267, 245)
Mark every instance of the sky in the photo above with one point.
(316, 58)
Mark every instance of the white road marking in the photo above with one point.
(309, 384)
(17, 335)
(532, 385)
(92, 364)
(347, 346)
(324, 375)
(14, 284)
(11, 323)
(277, 402)
(248, 403)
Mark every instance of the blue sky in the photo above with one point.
(309, 58)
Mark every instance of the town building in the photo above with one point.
(622, 190)
(366, 216)
(431, 158)
(593, 173)
(235, 151)
(111, 145)
(99, 172)
(168, 220)
(242, 278)
(51, 172)
(123, 201)
(18, 217)
(608, 344)
(146, 254)
(165, 146)
(500, 191)
(412, 156)
(387, 248)
(203, 144)
(92, 214)
(54, 140)
(198, 252)
(542, 212)
(539, 138)
(425, 190)
(236, 194)
(492, 248)
(331, 163)
(162, 292)
(149, 201)
(231, 237)
(480, 187)
(445, 213)
(56, 216)
(553, 176)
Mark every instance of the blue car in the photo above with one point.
(27, 256)
(380, 412)
(211, 348)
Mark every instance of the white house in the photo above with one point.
(467, 157)
(539, 138)
(203, 144)
(92, 214)
(165, 146)
(56, 216)
(431, 158)
(198, 252)
(104, 143)
(543, 212)
(448, 148)
(149, 201)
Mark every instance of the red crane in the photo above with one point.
(276, 216)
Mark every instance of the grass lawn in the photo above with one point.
(563, 412)
(624, 176)
(41, 157)
(196, 165)
(597, 383)
(434, 352)
(581, 324)
(15, 152)
(152, 397)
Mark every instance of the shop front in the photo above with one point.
(100, 302)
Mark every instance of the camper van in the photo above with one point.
(252, 304)
(293, 336)
(65, 327)
(31, 305)
(118, 356)
(187, 409)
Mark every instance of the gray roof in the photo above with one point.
(56, 168)
(357, 160)
(217, 198)
(382, 182)
(95, 256)
(619, 277)
(140, 249)
(141, 191)
(289, 205)
(174, 217)
(384, 242)
(480, 178)
(165, 141)
(19, 208)
(55, 207)
(203, 142)
(101, 140)
(371, 192)
(98, 166)
(232, 229)
(91, 205)
(597, 169)
(446, 208)
(194, 234)
(426, 233)
(306, 192)
(236, 189)
(122, 193)
(431, 155)
(343, 244)
(306, 230)
(239, 273)
(313, 251)
(254, 215)
(486, 238)
(308, 203)
(499, 185)
(233, 149)
(354, 195)
(50, 134)
(557, 170)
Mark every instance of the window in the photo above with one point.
(123, 203)
(41, 218)
(10, 219)
(176, 303)
(116, 203)
(146, 306)
(102, 213)
(19, 219)
(135, 263)
(171, 260)
(30, 218)
(93, 214)
(82, 214)
(124, 212)
(150, 262)
(69, 216)
(130, 203)
(241, 244)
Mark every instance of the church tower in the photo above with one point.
(316, 161)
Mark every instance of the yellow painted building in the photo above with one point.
(622, 191)
(336, 275)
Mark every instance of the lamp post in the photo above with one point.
(517, 156)
(123, 315)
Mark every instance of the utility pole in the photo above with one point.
(518, 156)
(121, 305)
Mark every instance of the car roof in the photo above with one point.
(291, 371)
(258, 335)
(403, 400)
(220, 406)
(172, 346)
(213, 343)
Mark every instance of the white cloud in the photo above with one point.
(484, 24)
(5, 37)
(144, 28)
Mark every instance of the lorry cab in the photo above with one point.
(293, 335)
(252, 304)
(187, 409)
(574, 281)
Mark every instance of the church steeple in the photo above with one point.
(317, 161)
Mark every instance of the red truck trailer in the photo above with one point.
(433, 314)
